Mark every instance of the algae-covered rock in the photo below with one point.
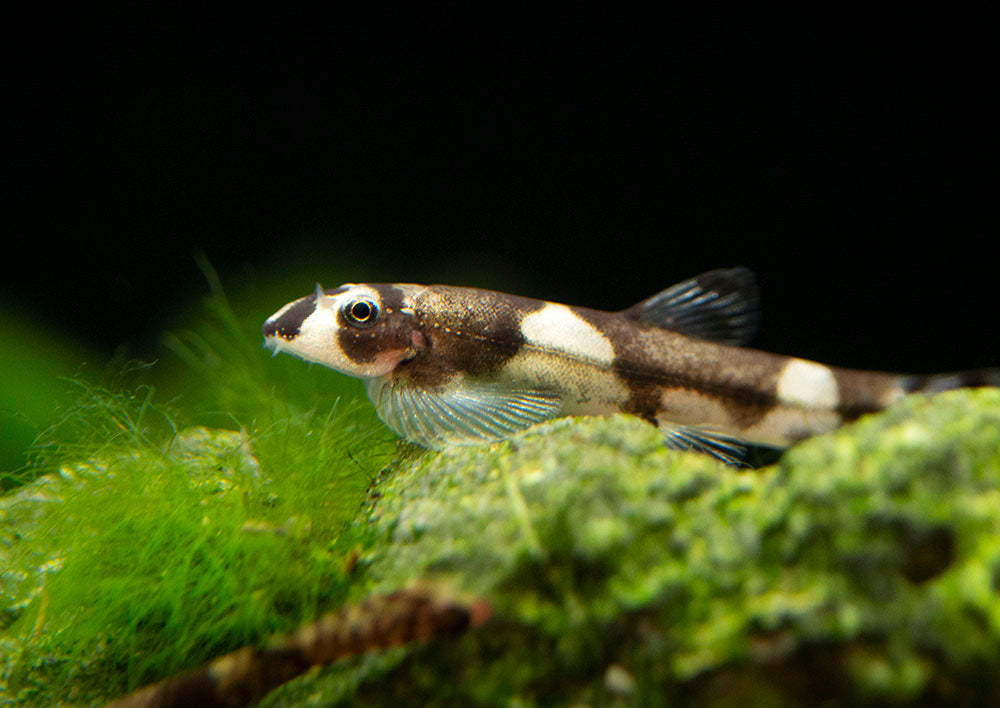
(863, 567)
(143, 560)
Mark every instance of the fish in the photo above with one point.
(446, 365)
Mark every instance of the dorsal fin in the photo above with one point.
(720, 305)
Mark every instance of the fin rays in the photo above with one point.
(718, 445)
(720, 306)
(462, 413)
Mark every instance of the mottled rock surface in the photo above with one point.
(863, 568)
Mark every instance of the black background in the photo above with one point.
(592, 159)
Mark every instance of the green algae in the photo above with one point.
(144, 538)
(862, 568)
(145, 561)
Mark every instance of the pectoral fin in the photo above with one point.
(464, 412)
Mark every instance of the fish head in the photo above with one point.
(363, 330)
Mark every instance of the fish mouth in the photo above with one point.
(286, 323)
(272, 343)
(272, 328)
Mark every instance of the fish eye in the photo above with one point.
(361, 313)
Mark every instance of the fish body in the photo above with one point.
(450, 365)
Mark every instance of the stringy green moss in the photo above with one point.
(154, 543)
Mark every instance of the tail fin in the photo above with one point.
(935, 383)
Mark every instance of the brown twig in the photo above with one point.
(248, 674)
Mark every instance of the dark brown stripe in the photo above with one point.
(747, 411)
(289, 324)
(467, 330)
(862, 392)
(647, 359)
(643, 401)
(390, 333)
(981, 377)
(934, 383)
